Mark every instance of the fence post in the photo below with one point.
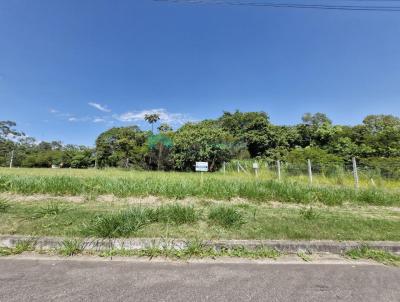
(309, 171)
(11, 159)
(238, 169)
(355, 173)
(224, 167)
(278, 165)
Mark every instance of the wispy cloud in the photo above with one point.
(165, 116)
(98, 120)
(99, 107)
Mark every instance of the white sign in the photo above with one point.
(255, 165)
(201, 166)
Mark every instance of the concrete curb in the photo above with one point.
(286, 246)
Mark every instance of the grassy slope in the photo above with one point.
(180, 185)
(257, 221)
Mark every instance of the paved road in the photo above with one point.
(54, 280)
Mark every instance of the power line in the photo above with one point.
(293, 5)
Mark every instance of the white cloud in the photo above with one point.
(98, 120)
(72, 119)
(165, 116)
(99, 107)
(53, 110)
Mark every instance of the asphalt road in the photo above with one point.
(55, 280)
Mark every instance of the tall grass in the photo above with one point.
(129, 221)
(226, 216)
(4, 205)
(176, 214)
(180, 185)
(121, 224)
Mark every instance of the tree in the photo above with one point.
(6, 129)
(151, 119)
(201, 142)
(321, 159)
(121, 147)
(159, 148)
(316, 130)
(164, 127)
(250, 128)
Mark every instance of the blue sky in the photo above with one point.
(71, 69)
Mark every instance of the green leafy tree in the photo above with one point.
(201, 142)
(164, 128)
(121, 147)
(322, 160)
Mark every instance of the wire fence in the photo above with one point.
(310, 169)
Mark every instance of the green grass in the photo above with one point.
(309, 213)
(226, 216)
(195, 249)
(4, 205)
(377, 255)
(50, 209)
(258, 221)
(181, 185)
(20, 247)
(176, 214)
(122, 224)
(70, 247)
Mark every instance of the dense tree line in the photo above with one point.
(234, 135)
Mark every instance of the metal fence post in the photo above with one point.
(278, 165)
(12, 159)
(309, 171)
(355, 173)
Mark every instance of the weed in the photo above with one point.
(226, 216)
(176, 214)
(70, 247)
(20, 247)
(121, 224)
(24, 246)
(364, 252)
(303, 255)
(5, 251)
(51, 209)
(308, 213)
(4, 205)
(195, 249)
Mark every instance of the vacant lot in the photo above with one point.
(180, 185)
(113, 203)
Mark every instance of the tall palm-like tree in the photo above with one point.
(151, 119)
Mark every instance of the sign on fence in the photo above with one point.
(201, 166)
